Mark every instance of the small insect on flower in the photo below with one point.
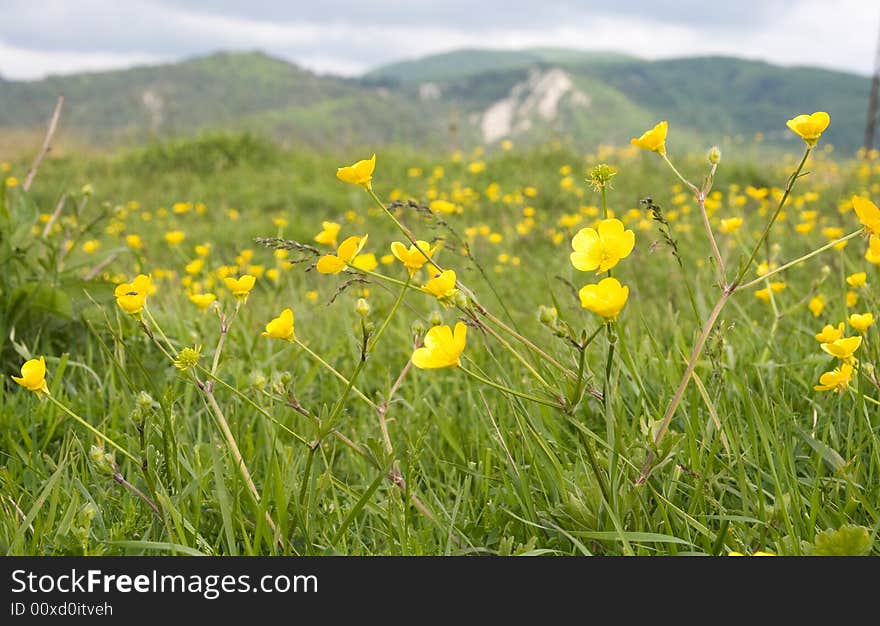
(442, 286)
(33, 376)
(442, 348)
(861, 321)
(606, 298)
(345, 255)
(654, 139)
(836, 380)
(809, 127)
(413, 258)
(281, 327)
(361, 173)
(240, 287)
(868, 214)
(601, 249)
(131, 297)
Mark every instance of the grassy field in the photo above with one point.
(549, 439)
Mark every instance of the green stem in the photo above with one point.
(388, 317)
(336, 373)
(513, 392)
(772, 220)
(798, 260)
(94, 430)
(689, 184)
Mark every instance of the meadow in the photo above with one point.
(673, 413)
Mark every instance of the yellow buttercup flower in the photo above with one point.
(281, 327)
(413, 258)
(816, 305)
(327, 236)
(175, 237)
(764, 294)
(731, 225)
(240, 287)
(602, 248)
(442, 286)
(836, 380)
(873, 253)
(361, 173)
(202, 300)
(442, 348)
(654, 139)
(366, 262)
(606, 298)
(33, 376)
(857, 280)
(861, 321)
(868, 214)
(131, 297)
(809, 127)
(843, 348)
(829, 333)
(134, 241)
(345, 255)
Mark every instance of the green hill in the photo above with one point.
(528, 95)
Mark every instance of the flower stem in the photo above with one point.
(94, 430)
(513, 392)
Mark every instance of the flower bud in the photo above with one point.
(257, 379)
(547, 314)
(435, 319)
(714, 155)
(362, 307)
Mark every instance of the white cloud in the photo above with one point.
(139, 31)
(21, 64)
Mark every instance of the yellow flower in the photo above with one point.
(857, 280)
(809, 127)
(873, 253)
(202, 300)
(843, 348)
(345, 255)
(817, 305)
(444, 206)
(366, 262)
(764, 294)
(835, 380)
(91, 246)
(131, 297)
(829, 333)
(312, 295)
(868, 213)
(413, 258)
(204, 249)
(601, 249)
(852, 298)
(33, 376)
(442, 286)
(361, 173)
(328, 235)
(442, 348)
(605, 298)
(861, 321)
(134, 241)
(240, 287)
(731, 224)
(12, 181)
(755, 553)
(654, 139)
(175, 237)
(281, 327)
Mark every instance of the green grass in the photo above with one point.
(754, 459)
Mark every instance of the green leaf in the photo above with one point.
(845, 541)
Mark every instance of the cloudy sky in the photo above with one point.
(40, 37)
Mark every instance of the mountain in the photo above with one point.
(466, 97)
